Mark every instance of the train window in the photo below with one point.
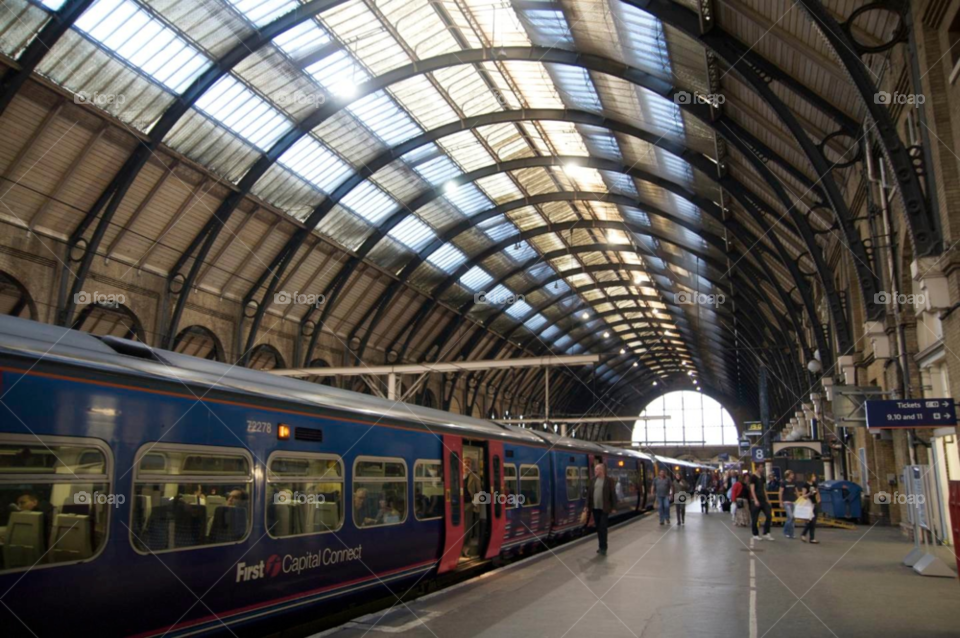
(55, 500)
(379, 492)
(153, 463)
(304, 494)
(428, 490)
(530, 485)
(510, 485)
(197, 497)
(573, 484)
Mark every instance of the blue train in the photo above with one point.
(147, 493)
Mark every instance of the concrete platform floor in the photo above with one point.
(698, 580)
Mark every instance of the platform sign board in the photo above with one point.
(744, 446)
(753, 428)
(758, 455)
(910, 413)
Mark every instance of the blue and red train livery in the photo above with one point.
(147, 493)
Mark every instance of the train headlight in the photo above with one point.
(283, 432)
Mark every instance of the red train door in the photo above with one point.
(453, 503)
(498, 508)
(955, 515)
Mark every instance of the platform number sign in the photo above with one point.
(758, 455)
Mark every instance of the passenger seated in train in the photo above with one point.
(30, 502)
(33, 529)
(387, 513)
(364, 512)
(237, 498)
(170, 516)
(429, 507)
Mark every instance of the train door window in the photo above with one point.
(573, 483)
(530, 485)
(197, 496)
(633, 481)
(55, 500)
(379, 491)
(497, 505)
(454, 489)
(304, 494)
(428, 490)
(510, 485)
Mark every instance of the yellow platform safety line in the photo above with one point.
(780, 515)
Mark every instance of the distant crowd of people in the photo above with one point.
(747, 494)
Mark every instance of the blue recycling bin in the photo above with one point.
(840, 499)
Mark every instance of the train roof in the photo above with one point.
(557, 440)
(620, 451)
(671, 461)
(72, 347)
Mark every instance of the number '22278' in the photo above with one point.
(260, 427)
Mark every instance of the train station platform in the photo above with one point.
(703, 579)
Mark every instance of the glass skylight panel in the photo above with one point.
(498, 228)
(535, 323)
(682, 205)
(501, 295)
(468, 199)
(519, 309)
(245, 113)
(575, 87)
(315, 163)
(547, 27)
(143, 41)
(673, 165)
(447, 258)
(557, 287)
(476, 278)
(601, 142)
(563, 342)
(412, 233)
(438, 170)
(338, 73)
(302, 39)
(664, 113)
(644, 35)
(576, 348)
(521, 252)
(379, 113)
(53, 5)
(550, 333)
(261, 12)
(421, 154)
(368, 201)
(619, 183)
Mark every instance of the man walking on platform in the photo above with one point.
(788, 498)
(601, 501)
(759, 503)
(663, 490)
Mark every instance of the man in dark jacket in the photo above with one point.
(602, 501)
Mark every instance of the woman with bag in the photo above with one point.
(733, 495)
(743, 509)
(811, 507)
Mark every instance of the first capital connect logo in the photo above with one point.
(290, 563)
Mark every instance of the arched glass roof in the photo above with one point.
(588, 230)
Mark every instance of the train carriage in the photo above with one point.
(183, 496)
